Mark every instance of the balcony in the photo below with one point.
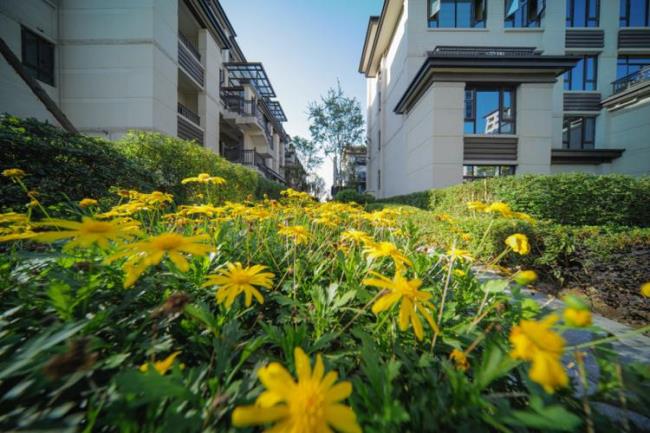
(247, 112)
(188, 124)
(189, 59)
(622, 84)
(251, 158)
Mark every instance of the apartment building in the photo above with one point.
(172, 66)
(354, 160)
(465, 89)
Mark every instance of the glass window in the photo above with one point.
(473, 172)
(38, 56)
(524, 13)
(627, 65)
(489, 110)
(635, 13)
(582, 13)
(583, 74)
(578, 132)
(457, 13)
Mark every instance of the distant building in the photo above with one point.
(464, 89)
(172, 66)
(354, 170)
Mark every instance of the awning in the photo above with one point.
(254, 73)
(276, 110)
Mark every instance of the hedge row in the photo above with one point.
(572, 199)
(68, 167)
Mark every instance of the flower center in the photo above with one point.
(95, 227)
(240, 278)
(168, 242)
(307, 407)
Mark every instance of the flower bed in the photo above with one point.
(304, 316)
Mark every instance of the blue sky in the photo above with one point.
(305, 46)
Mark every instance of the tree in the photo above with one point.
(307, 152)
(334, 123)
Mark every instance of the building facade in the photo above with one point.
(172, 66)
(466, 89)
(354, 165)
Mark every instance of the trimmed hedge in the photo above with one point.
(68, 167)
(572, 199)
(352, 195)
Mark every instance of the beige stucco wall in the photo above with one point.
(629, 129)
(534, 127)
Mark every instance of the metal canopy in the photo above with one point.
(276, 110)
(254, 73)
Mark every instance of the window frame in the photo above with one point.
(509, 21)
(500, 167)
(624, 20)
(568, 75)
(627, 57)
(473, 89)
(570, 17)
(474, 24)
(584, 144)
(38, 71)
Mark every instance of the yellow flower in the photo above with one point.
(460, 359)
(143, 254)
(376, 250)
(88, 232)
(523, 278)
(237, 279)
(466, 237)
(292, 194)
(310, 405)
(161, 366)
(645, 290)
(577, 317)
(499, 207)
(524, 217)
(459, 273)
(14, 173)
(17, 236)
(87, 202)
(444, 217)
(476, 205)
(519, 243)
(534, 341)
(299, 234)
(356, 236)
(204, 178)
(458, 254)
(413, 301)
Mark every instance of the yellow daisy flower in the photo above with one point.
(236, 279)
(460, 359)
(645, 290)
(161, 366)
(311, 404)
(499, 207)
(413, 301)
(299, 234)
(578, 317)
(356, 236)
(204, 178)
(88, 232)
(376, 250)
(87, 202)
(14, 173)
(523, 278)
(518, 243)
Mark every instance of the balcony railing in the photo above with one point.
(235, 102)
(630, 80)
(190, 59)
(252, 158)
(189, 114)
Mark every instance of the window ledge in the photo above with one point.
(456, 29)
(585, 28)
(524, 29)
(495, 136)
(582, 91)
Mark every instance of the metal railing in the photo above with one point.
(189, 61)
(251, 158)
(630, 80)
(189, 114)
(190, 46)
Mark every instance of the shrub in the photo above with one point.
(572, 199)
(170, 160)
(351, 195)
(61, 166)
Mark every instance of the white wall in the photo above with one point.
(629, 129)
(534, 127)
(39, 16)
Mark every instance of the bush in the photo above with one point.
(61, 166)
(351, 195)
(140, 160)
(572, 199)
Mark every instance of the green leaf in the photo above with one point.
(150, 386)
(554, 417)
(494, 364)
(494, 286)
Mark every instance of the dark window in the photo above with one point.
(524, 13)
(379, 140)
(582, 13)
(578, 132)
(635, 13)
(378, 179)
(627, 65)
(457, 13)
(583, 76)
(489, 110)
(38, 56)
(473, 172)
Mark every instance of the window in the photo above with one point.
(582, 13)
(38, 56)
(524, 13)
(635, 13)
(473, 172)
(489, 110)
(378, 179)
(578, 132)
(457, 13)
(627, 65)
(379, 140)
(583, 74)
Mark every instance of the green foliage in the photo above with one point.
(571, 199)
(61, 166)
(351, 195)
